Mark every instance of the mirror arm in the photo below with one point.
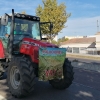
(7, 15)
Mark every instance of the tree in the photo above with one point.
(54, 42)
(62, 40)
(24, 26)
(23, 12)
(59, 41)
(52, 12)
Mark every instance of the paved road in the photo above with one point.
(84, 60)
(86, 86)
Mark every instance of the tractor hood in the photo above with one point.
(39, 43)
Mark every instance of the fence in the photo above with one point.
(83, 50)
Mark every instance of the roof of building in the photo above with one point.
(80, 40)
(98, 33)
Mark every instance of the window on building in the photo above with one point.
(75, 50)
(69, 50)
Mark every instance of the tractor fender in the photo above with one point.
(2, 53)
(34, 54)
(31, 51)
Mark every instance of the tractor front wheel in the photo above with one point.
(68, 77)
(20, 77)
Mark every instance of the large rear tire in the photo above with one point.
(20, 77)
(68, 77)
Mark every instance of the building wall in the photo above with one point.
(71, 37)
(79, 45)
(97, 38)
(84, 48)
(79, 48)
(98, 42)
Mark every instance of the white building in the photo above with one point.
(98, 40)
(71, 37)
(83, 45)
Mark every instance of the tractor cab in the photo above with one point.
(25, 28)
(15, 27)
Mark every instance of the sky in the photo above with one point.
(83, 20)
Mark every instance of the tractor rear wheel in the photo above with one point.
(20, 77)
(68, 77)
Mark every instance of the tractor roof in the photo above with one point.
(24, 16)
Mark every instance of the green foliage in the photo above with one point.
(59, 41)
(23, 12)
(63, 39)
(24, 27)
(52, 12)
(54, 42)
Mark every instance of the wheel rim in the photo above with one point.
(15, 77)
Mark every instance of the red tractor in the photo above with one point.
(25, 56)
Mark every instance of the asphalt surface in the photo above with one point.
(86, 86)
(84, 60)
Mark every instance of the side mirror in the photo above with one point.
(51, 26)
(4, 20)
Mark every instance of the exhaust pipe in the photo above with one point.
(11, 35)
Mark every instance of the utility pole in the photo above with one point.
(97, 26)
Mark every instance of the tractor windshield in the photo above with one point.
(31, 28)
(24, 27)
